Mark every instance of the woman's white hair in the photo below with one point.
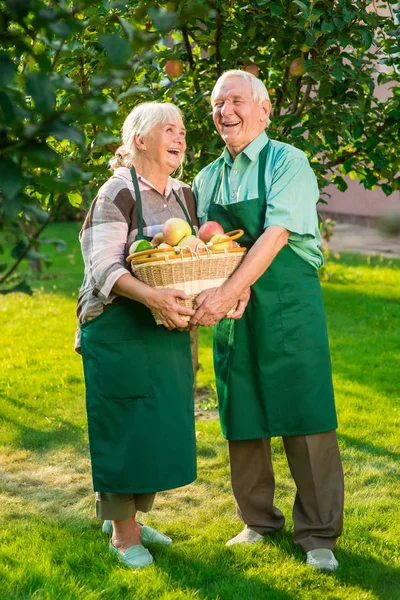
(258, 89)
(141, 121)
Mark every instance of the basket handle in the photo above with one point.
(144, 253)
(235, 234)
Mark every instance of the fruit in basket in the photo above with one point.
(190, 241)
(208, 230)
(165, 248)
(157, 239)
(219, 242)
(175, 229)
(140, 246)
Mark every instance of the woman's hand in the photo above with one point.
(213, 305)
(241, 306)
(171, 313)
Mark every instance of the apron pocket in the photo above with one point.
(123, 371)
(303, 322)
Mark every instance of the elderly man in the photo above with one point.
(272, 360)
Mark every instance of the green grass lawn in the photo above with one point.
(51, 543)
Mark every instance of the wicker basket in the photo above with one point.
(189, 271)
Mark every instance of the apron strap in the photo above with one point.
(138, 197)
(261, 171)
(261, 176)
(185, 212)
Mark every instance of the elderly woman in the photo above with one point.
(138, 375)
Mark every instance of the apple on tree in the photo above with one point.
(173, 68)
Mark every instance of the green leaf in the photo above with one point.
(7, 108)
(133, 91)
(38, 86)
(358, 129)
(60, 132)
(117, 48)
(11, 179)
(40, 154)
(23, 288)
(7, 69)
(387, 190)
(19, 249)
(75, 199)
(340, 183)
(36, 212)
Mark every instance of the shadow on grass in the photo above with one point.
(348, 441)
(32, 438)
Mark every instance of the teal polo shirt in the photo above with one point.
(291, 191)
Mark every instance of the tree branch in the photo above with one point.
(305, 99)
(281, 93)
(190, 56)
(297, 90)
(218, 35)
(32, 240)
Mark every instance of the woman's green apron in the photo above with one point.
(139, 380)
(272, 366)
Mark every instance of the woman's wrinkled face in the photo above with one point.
(166, 145)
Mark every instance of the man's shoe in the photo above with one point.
(135, 557)
(247, 536)
(322, 559)
(148, 534)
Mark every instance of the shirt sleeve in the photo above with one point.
(291, 201)
(103, 240)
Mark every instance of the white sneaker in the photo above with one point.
(247, 536)
(322, 559)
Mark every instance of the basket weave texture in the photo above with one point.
(192, 275)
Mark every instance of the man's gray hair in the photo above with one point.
(258, 89)
(141, 121)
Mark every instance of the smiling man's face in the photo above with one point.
(238, 119)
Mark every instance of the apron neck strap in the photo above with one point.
(185, 212)
(138, 204)
(262, 162)
(140, 208)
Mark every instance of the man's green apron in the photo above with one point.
(272, 366)
(139, 380)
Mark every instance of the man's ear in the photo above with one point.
(265, 110)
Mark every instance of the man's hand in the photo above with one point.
(241, 306)
(213, 305)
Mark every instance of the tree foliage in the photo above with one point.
(70, 72)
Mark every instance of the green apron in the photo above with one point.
(139, 381)
(272, 366)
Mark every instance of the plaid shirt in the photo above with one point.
(111, 227)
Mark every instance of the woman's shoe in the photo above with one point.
(136, 557)
(148, 535)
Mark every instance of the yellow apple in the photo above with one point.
(174, 230)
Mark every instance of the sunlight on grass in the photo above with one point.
(52, 547)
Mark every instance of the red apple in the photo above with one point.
(209, 229)
(173, 68)
(175, 229)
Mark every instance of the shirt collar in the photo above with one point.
(125, 173)
(251, 151)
